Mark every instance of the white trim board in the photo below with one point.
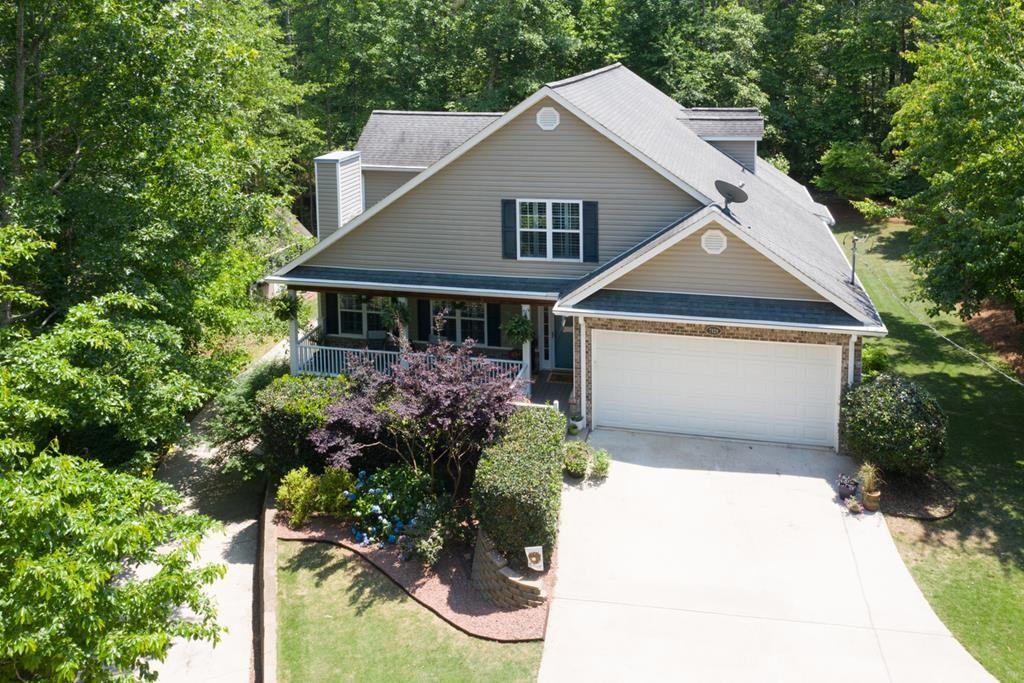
(421, 289)
(584, 313)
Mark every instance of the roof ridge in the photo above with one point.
(582, 76)
(413, 112)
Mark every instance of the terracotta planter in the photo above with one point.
(871, 499)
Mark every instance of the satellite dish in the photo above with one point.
(732, 193)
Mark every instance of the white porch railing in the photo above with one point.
(319, 359)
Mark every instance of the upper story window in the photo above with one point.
(462, 320)
(359, 316)
(549, 229)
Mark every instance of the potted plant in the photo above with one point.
(869, 482)
(846, 486)
(576, 421)
(852, 505)
(518, 331)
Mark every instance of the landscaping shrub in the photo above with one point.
(602, 462)
(288, 410)
(874, 360)
(434, 412)
(299, 495)
(576, 459)
(894, 423)
(436, 523)
(517, 491)
(235, 423)
(335, 486)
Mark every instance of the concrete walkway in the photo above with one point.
(193, 470)
(709, 560)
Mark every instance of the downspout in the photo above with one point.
(583, 371)
(850, 360)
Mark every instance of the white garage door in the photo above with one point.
(765, 391)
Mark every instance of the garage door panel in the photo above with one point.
(716, 387)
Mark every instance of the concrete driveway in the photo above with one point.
(710, 560)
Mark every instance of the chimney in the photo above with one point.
(339, 190)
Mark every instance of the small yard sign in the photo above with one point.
(535, 557)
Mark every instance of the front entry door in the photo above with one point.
(554, 340)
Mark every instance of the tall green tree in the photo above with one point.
(95, 569)
(148, 143)
(959, 122)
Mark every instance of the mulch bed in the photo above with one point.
(446, 590)
(925, 497)
(1000, 330)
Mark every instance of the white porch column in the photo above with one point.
(850, 370)
(293, 335)
(527, 371)
(403, 302)
(583, 371)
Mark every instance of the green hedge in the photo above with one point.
(289, 409)
(894, 423)
(518, 486)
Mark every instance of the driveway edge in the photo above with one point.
(266, 593)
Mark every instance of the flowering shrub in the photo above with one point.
(894, 423)
(518, 486)
(384, 503)
(436, 523)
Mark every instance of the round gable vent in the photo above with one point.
(713, 241)
(548, 118)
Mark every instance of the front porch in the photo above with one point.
(357, 334)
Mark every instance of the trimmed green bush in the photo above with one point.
(235, 423)
(335, 485)
(874, 360)
(602, 463)
(576, 459)
(894, 423)
(517, 491)
(289, 409)
(299, 494)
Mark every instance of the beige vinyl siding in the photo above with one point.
(326, 198)
(351, 189)
(743, 151)
(740, 271)
(380, 184)
(452, 222)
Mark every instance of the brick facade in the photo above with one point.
(702, 330)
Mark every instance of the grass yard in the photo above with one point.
(339, 619)
(971, 566)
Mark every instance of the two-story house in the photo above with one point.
(594, 209)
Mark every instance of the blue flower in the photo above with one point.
(387, 497)
(392, 538)
(350, 496)
(359, 485)
(362, 474)
(399, 525)
(412, 522)
(375, 509)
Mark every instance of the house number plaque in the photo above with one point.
(712, 331)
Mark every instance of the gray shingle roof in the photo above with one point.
(346, 276)
(417, 138)
(648, 120)
(708, 307)
(732, 122)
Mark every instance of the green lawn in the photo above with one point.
(339, 619)
(971, 566)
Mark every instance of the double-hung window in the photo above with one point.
(358, 316)
(549, 229)
(462, 320)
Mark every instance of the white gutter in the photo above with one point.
(874, 331)
(422, 289)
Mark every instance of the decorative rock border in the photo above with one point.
(501, 584)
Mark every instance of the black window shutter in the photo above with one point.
(331, 312)
(590, 232)
(494, 324)
(423, 321)
(508, 228)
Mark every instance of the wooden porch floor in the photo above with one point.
(552, 385)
